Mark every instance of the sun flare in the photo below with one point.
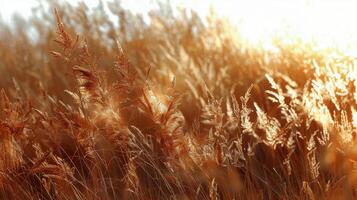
(325, 23)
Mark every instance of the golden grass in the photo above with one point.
(174, 109)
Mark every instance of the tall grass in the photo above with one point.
(179, 108)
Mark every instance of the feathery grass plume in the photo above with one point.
(279, 97)
(270, 125)
(354, 118)
(246, 124)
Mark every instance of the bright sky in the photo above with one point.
(322, 20)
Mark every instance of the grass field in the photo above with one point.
(178, 108)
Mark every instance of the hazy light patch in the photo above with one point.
(325, 22)
(9, 8)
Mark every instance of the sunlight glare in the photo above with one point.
(326, 23)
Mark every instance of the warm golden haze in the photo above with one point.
(114, 106)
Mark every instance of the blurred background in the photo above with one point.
(328, 22)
